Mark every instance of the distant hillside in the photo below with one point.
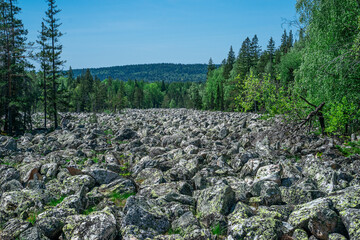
(152, 72)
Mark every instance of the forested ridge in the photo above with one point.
(315, 65)
(168, 72)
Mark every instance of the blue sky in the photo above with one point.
(101, 33)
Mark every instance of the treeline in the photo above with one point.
(167, 72)
(87, 93)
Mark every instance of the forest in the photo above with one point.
(168, 72)
(316, 65)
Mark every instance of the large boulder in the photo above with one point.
(97, 225)
(351, 220)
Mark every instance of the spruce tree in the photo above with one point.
(229, 63)
(271, 49)
(44, 57)
(55, 49)
(255, 50)
(15, 85)
(211, 67)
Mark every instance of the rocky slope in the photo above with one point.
(176, 174)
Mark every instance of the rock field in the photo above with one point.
(176, 174)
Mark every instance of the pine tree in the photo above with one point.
(255, 50)
(15, 84)
(284, 43)
(211, 67)
(243, 61)
(44, 57)
(229, 63)
(271, 49)
(53, 34)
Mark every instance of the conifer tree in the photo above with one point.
(44, 57)
(271, 49)
(55, 49)
(14, 85)
(229, 63)
(255, 50)
(211, 67)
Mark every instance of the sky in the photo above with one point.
(103, 33)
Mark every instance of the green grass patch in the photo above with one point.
(351, 148)
(81, 161)
(56, 202)
(174, 231)
(218, 230)
(109, 132)
(32, 218)
(89, 210)
(120, 198)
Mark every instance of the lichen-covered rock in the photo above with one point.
(186, 223)
(140, 213)
(97, 225)
(336, 236)
(7, 174)
(13, 228)
(33, 233)
(150, 176)
(103, 176)
(52, 221)
(305, 212)
(73, 184)
(296, 195)
(346, 198)
(200, 234)
(268, 191)
(158, 190)
(351, 220)
(256, 227)
(119, 186)
(241, 211)
(218, 199)
(323, 223)
(251, 167)
(300, 234)
(269, 173)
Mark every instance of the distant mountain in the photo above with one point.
(152, 72)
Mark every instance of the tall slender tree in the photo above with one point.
(43, 57)
(229, 63)
(53, 34)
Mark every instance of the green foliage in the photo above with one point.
(218, 230)
(342, 116)
(55, 202)
(120, 198)
(350, 148)
(174, 231)
(263, 94)
(109, 132)
(32, 218)
(89, 210)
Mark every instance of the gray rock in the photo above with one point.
(186, 223)
(138, 212)
(300, 234)
(97, 225)
(268, 191)
(215, 200)
(33, 233)
(13, 228)
(351, 220)
(52, 221)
